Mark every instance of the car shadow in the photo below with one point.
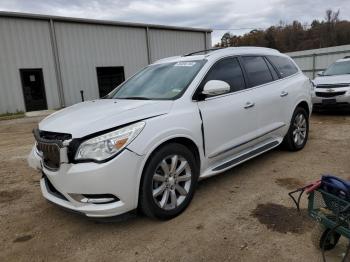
(135, 217)
(332, 112)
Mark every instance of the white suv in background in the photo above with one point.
(178, 120)
(332, 87)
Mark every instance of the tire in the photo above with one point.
(301, 130)
(319, 235)
(171, 172)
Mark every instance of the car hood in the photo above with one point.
(90, 117)
(338, 79)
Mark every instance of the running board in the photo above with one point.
(245, 156)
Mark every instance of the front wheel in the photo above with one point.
(298, 132)
(169, 181)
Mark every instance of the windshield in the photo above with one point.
(338, 68)
(160, 81)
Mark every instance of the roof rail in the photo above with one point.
(204, 51)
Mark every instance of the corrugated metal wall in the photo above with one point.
(315, 60)
(24, 44)
(165, 43)
(81, 47)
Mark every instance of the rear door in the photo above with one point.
(270, 106)
(229, 120)
(290, 85)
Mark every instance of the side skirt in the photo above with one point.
(255, 151)
(246, 156)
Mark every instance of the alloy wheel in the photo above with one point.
(300, 129)
(171, 182)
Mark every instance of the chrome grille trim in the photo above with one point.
(50, 154)
(332, 85)
(331, 94)
(51, 151)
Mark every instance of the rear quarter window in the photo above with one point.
(284, 65)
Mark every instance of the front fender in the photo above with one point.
(159, 130)
(162, 129)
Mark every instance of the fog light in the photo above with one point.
(95, 198)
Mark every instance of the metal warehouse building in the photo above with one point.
(45, 61)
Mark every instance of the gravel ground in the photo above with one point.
(242, 215)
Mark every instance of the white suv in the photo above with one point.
(332, 87)
(147, 143)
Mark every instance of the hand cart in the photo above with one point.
(329, 205)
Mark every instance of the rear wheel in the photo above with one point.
(169, 181)
(298, 132)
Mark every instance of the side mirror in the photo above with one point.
(215, 87)
(320, 73)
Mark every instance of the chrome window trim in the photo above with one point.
(240, 91)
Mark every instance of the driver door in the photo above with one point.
(229, 120)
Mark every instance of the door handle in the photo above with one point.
(248, 105)
(284, 93)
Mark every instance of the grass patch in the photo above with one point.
(9, 116)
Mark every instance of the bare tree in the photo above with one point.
(332, 18)
(288, 37)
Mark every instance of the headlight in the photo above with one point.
(107, 145)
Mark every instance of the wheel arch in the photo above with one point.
(303, 104)
(182, 140)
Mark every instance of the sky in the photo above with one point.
(220, 15)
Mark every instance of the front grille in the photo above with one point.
(48, 145)
(332, 85)
(332, 94)
(54, 136)
(50, 154)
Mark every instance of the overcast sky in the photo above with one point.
(215, 14)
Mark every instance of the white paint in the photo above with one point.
(230, 130)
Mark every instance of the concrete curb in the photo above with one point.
(39, 113)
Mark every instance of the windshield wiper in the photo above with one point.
(336, 74)
(135, 97)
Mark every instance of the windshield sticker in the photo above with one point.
(185, 64)
(176, 90)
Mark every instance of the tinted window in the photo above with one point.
(284, 65)
(227, 70)
(272, 70)
(257, 70)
